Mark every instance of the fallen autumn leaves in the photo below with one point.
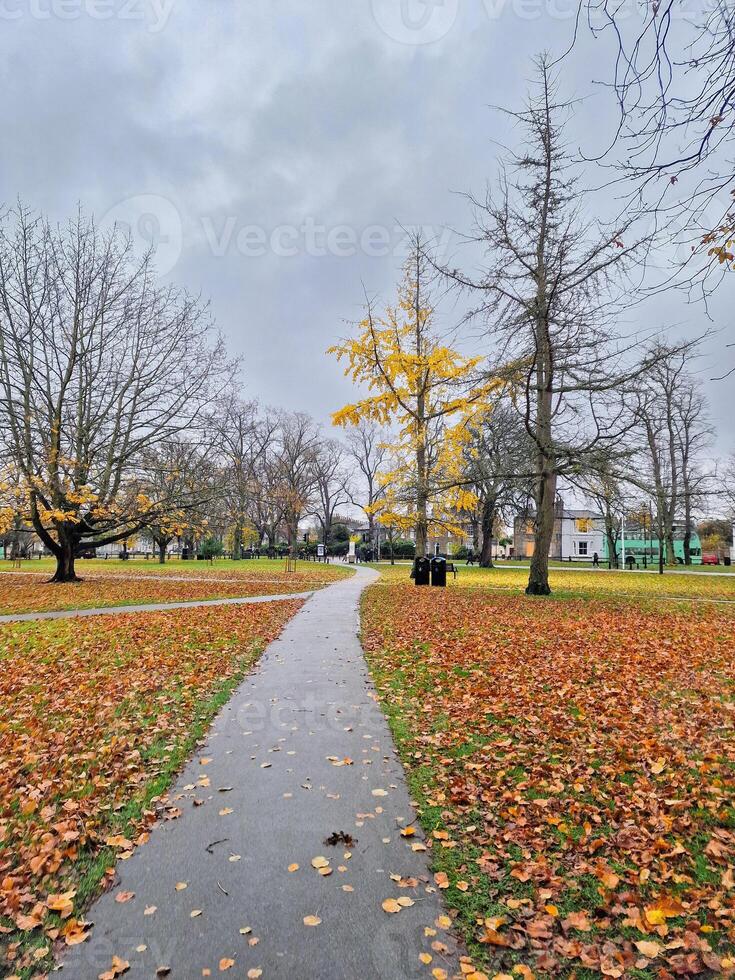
(95, 716)
(105, 584)
(575, 762)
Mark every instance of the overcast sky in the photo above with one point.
(273, 150)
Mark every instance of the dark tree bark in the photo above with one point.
(487, 523)
(538, 578)
(65, 557)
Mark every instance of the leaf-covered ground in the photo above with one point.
(105, 584)
(574, 760)
(95, 717)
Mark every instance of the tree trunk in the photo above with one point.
(237, 543)
(670, 553)
(162, 552)
(421, 502)
(292, 528)
(612, 549)
(687, 524)
(538, 579)
(65, 555)
(487, 521)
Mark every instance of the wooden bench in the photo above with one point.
(451, 567)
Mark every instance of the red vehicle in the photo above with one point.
(710, 559)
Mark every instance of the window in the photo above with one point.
(582, 546)
(583, 525)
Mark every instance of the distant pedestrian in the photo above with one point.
(595, 560)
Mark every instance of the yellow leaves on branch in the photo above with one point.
(430, 394)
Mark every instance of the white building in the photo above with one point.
(578, 535)
(582, 535)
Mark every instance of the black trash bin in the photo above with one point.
(727, 560)
(439, 571)
(421, 571)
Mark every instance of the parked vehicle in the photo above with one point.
(710, 558)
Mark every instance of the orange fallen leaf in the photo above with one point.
(648, 948)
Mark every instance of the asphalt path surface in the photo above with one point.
(300, 753)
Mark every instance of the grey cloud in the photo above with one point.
(263, 115)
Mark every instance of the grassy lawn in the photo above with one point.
(123, 583)
(612, 585)
(96, 716)
(573, 760)
(685, 569)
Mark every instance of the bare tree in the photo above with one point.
(266, 494)
(728, 490)
(550, 291)
(674, 80)
(298, 441)
(673, 148)
(331, 483)
(239, 441)
(654, 413)
(672, 416)
(183, 482)
(369, 452)
(694, 436)
(605, 488)
(499, 464)
(97, 365)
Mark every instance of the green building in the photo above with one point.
(644, 547)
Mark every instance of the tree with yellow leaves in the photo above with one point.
(428, 391)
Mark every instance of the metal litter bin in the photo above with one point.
(439, 571)
(421, 571)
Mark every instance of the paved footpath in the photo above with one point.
(148, 607)
(276, 783)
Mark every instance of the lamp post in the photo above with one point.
(622, 538)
